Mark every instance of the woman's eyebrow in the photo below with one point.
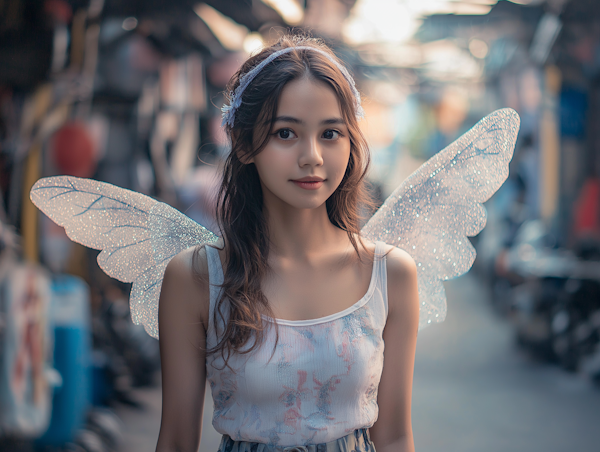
(299, 121)
(339, 121)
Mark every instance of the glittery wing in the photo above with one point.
(138, 235)
(434, 210)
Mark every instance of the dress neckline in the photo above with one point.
(337, 315)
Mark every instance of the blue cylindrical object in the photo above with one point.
(70, 309)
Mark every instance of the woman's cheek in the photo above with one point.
(342, 165)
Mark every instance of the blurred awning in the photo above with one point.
(250, 13)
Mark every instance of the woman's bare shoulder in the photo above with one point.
(188, 264)
(399, 262)
(186, 282)
(402, 283)
(193, 262)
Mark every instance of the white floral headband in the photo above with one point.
(246, 79)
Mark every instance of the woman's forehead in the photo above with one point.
(308, 100)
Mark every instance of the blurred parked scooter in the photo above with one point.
(556, 307)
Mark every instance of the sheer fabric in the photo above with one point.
(318, 386)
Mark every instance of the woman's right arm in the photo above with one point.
(183, 319)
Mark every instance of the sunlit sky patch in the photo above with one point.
(398, 20)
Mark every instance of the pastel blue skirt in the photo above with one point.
(357, 441)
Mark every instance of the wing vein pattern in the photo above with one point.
(136, 234)
(431, 214)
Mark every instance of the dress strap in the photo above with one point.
(215, 267)
(380, 271)
(379, 249)
(215, 277)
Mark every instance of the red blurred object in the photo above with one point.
(59, 9)
(73, 150)
(587, 209)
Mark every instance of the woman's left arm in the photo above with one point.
(393, 430)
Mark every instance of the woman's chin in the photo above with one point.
(307, 203)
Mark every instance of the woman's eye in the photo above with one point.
(331, 134)
(285, 134)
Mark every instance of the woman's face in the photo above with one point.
(308, 149)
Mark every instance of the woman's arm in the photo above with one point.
(393, 430)
(183, 314)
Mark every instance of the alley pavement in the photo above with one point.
(473, 391)
(140, 426)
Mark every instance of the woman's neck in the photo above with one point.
(301, 233)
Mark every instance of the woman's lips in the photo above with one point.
(308, 183)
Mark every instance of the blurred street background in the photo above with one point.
(129, 92)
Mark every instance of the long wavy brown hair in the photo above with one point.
(240, 201)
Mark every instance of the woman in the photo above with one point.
(288, 315)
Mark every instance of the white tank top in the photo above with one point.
(320, 384)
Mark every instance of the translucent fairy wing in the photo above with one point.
(138, 235)
(434, 210)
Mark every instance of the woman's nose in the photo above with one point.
(310, 153)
